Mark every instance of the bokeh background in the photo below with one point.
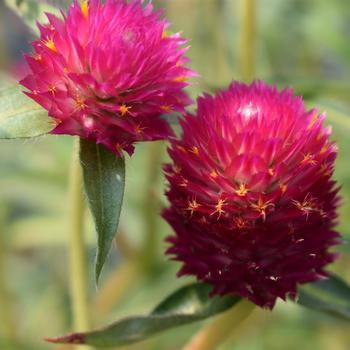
(300, 43)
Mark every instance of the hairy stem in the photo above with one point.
(247, 40)
(78, 260)
(217, 332)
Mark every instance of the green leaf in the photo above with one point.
(21, 117)
(187, 305)
(104, 181)
(32, 11)
(330, 296)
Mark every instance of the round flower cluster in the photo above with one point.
(108, 71)
(252, 200)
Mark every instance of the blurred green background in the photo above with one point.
(300, 43)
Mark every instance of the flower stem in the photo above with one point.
(217, 332)
(247, 40)
(151, 207)
(78, 261)
(7, 321)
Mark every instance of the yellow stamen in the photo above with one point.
(166, 108)
(242, 190)
(262, 206)
(85, 8)
(165, 34)
(309, 159)
(307, 206)
(139, 129)
(52, 89)
(240, 223)
(192, 206)
(283, 188)
(123, 109)
(50, 44)
(219, 206)
(180, 79)
(325, 170)
(324, 149)
(194, 150)
(214, 174)
(271, 171)
(80, 103)
(119, 147)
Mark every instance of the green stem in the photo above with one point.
(217, 332)
(247, 40)
(151, 206)
(7, 322)
(78, 260)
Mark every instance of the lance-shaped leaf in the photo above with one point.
(187, 305)
(104, 182)
(331, 296)
(21, 117)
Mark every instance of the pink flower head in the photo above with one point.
(108, 71)
(252, 200)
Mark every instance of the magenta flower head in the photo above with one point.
(252, 200)
(107, 72)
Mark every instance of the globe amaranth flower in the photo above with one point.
(252, 200)
(108, 71)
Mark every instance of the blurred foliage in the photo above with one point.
(301, 43)
(21, 117)
(189, 304)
